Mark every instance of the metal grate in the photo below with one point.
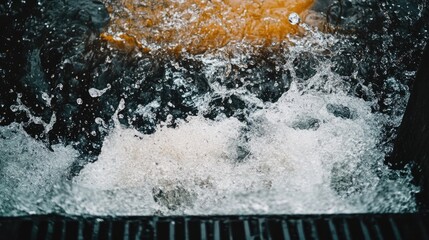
(335, 227)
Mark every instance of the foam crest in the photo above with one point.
(299, 155)
(130, 159)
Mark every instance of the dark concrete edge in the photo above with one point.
(411, 145)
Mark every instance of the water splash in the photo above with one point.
(294, 18)
(93, 92)
(239, 130)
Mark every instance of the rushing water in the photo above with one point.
(304, 128)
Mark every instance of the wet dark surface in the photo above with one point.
(412, 142)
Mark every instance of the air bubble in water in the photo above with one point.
(294, 18)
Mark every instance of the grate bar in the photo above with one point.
(261, 228)
(50, 230)
(377, 229)
(216, 230)
(333, 230)
(80, 231)
(395, 229)
(286, 234)
(300, 227)
(127, 231)
(247, 233)
(139, 231)
(34, 230)
(314, 234)
(95, 230)
(365, 230)
(172, 230)
(346, 229)
(203, 230)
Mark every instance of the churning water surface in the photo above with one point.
(319, 147)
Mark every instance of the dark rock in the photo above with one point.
(266, 81)
(230, 106)
(305, 65)
(307, 123)
(343, 64)
(173, 197)
(339, 110)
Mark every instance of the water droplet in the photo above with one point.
(45, 96)
(94, 92)
(121, 104)
(294, 18)
(14, 108)
(99, 121)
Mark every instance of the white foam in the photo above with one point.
(284, 169)
(130, 159)
(274, 162)
(29, 171)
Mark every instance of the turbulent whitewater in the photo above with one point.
(303, 127)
